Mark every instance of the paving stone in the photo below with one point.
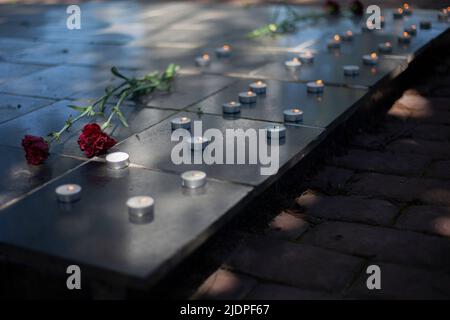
(404, 189)
(370, 141)
(52, 118)
(348, 208)
(295, 264)
(384, 244)
(420, 131)
(15, 106)
(429, 219)
(187, 90)
(267, 291)
(331, 178)
(57, 82)
(158, 138)
(398, 282)
(11, 71)
(141, 252)
(225, 285)
(434, 149)
(19, 178)
(286, 226)
(384, 162)
(439, 169)
(328, 67)
(319, 110)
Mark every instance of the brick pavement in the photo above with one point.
(384, 201)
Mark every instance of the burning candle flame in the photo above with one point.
(319, 82)
(71, 187)
(373, 55)
(337, 37)
(400, 10)
(205, 56)
(259, 82)
(387, 44)
(405, 34)
(406, 6)
(295, 110)
(184, 119)
(250, 93)
(232, 103)
(295, 60)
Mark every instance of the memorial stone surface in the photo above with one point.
(45, 67)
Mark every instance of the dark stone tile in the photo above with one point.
(57, 82)
(11, 71)
(187, 90)
(15, 106)
(328, 67)
(96, 231)
(19, 178)
(319, 110)
(52, 118)
(152, 148)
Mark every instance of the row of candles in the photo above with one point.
(140, 208)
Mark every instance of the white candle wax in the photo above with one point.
(412, 30)
(117, 160)
(293, 115)
(404, 38)
(231, 107)
(276, 131)
(351, 70)
(370, 59)
(247, 97)
(68, 192)
(193, 179)
(203, 60)
(347, 36)
(385, 47)
(224, 51)
(315, 86)
(293, 64)
(140, 208)
(181, 123)
(306, 57)
(198, 143)
(258, 87)
(443, 15)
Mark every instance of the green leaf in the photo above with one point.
(122, 118)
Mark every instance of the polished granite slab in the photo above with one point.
(19, 178)
(12, 106)
(12, 71)
(52, 118)
(152, 149)
(328, 67)
(320, 110)
(96, 233)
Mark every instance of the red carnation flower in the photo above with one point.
(357, 8)
(93, 141)
(36, 149)
(332, 7)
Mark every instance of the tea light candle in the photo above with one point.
(231, 107)
(181, 123)
(404, 38)
(443, 15)
(382, 22)
(407, 10)
(68, 193)
(197, 142)
(203, 61)
(193, 179)
(276, 131)
(347, 36)
(140, 208)
(334, 43)
(247, 97)
(351, 70)
(426, 25)
(118, 160)
(398, 13)
(293, 64)
(370, 59)
(258, 87)
(224, 51)
(293, 115)
(412, 30)
(385, 47)
(315, 86)
(306, 57)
